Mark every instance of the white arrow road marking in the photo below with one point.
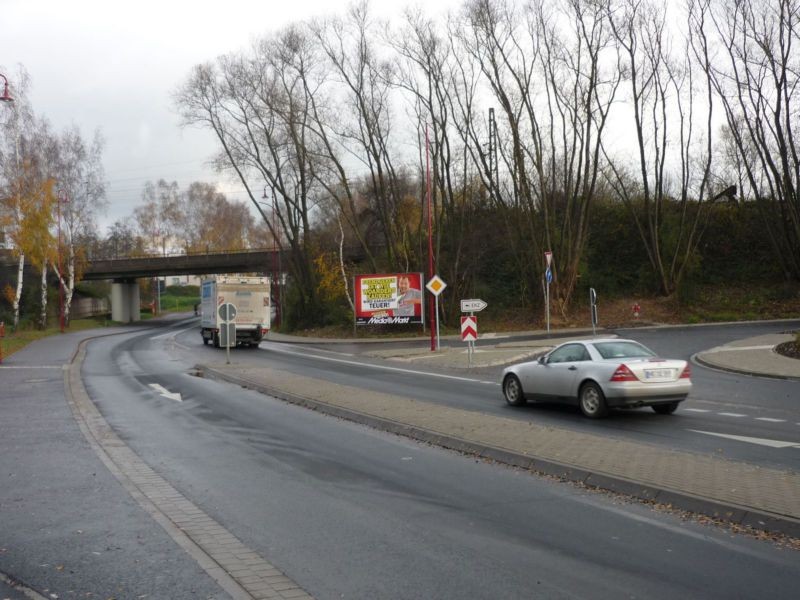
(166, 393)
(752, 440)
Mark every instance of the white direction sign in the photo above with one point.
(436, 286)
(473, 305)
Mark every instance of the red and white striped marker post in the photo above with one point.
(469, 333)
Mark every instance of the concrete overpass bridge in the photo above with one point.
(125, 271)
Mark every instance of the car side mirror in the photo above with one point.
(543, 359)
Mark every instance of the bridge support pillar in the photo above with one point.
(125, 301)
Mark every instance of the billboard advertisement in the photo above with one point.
(390, 299)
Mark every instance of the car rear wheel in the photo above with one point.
(512, 390)
(592, 401)
(666, 409)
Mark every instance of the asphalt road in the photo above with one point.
(349, 512)
(720, 403)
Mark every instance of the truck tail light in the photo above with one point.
(623, 373)
(264, 331)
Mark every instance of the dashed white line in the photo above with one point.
(700, 410)
(727, 414)
(769, 420)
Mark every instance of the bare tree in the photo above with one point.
(208, 221)
(78, 170)
(260, 113)
(545, 68)
(663, 96)
(355, 59)
(158, 218)
(756, 72)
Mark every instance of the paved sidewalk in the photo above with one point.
(738, 492)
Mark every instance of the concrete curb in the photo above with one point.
(705, 362)
(732, 513)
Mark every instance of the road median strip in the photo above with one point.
(736, 492)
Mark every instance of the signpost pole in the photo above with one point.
(471, 345)
(548, 276)
(436, 309)
(547, 306)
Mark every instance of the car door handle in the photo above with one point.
(572, 368)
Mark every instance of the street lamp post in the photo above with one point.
(6, 97)
(276, 256)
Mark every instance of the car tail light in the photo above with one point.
(687, 372)
(623, 373)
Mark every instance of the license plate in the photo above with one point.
(657, 373)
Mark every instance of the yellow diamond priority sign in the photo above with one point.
(436, 285)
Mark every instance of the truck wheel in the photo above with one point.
(216, 340)
(205, 341)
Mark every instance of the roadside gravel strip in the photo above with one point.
(240, 571)
(748, 495)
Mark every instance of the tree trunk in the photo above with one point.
(18, 293)
(69, 289)
(43, 318)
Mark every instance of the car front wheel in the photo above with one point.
(592, 401)
(666, 409)
(512, 390)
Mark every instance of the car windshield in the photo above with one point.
(622, 350)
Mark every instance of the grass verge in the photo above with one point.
(17, 340)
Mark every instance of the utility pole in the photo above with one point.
(432, 308)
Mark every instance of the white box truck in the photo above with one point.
(250, 296)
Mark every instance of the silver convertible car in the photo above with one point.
(599, 374)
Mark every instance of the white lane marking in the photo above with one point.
(751, 440)
(727, 414)
(166, 393)
(170, 333)
(700, 410)
(769, 420)
(31, 367)
(383, 367)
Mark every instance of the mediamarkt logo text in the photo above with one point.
(389, 320)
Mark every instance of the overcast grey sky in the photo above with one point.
(112, 66)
